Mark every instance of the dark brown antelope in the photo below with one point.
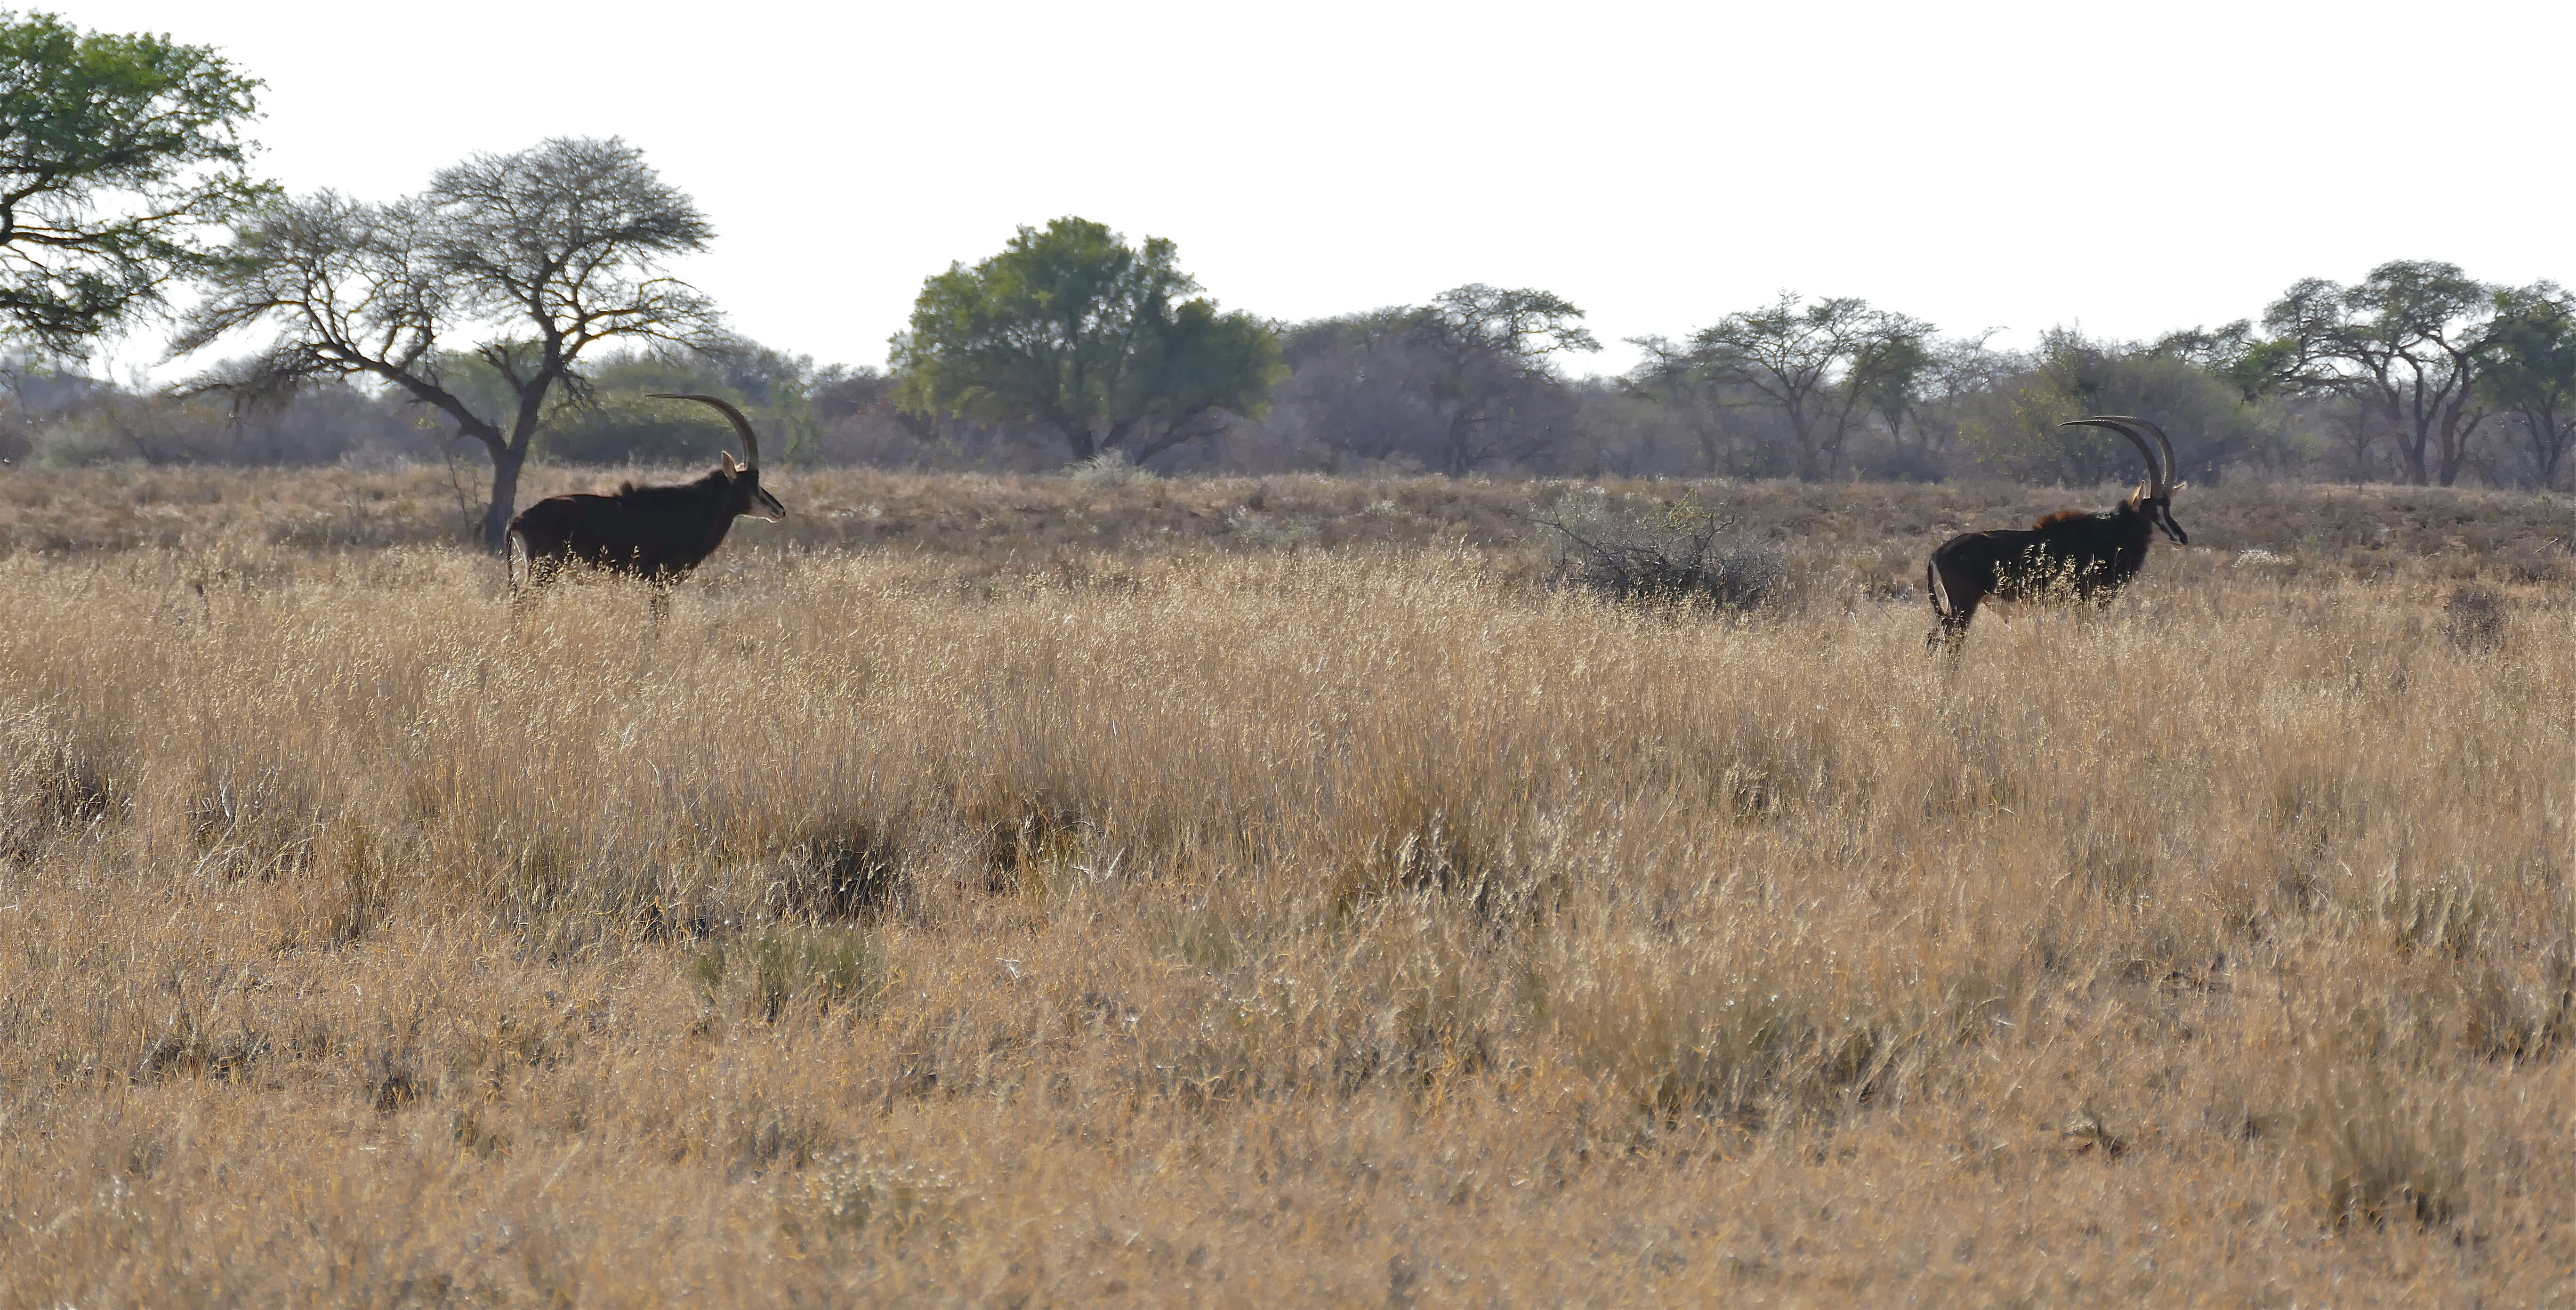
(655, 533)
(2069, 554)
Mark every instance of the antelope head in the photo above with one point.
(744, 478)
(2154, 497)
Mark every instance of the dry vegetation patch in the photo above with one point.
(1304, 923)
(1871, 534)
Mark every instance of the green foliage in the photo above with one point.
(623, 426)
(2535, 362)
(2533, 372)
(615, 419)
(2408, 341)
(1072, 327)
(2016, 429)
(119, 157)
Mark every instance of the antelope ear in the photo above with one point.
(729, 465)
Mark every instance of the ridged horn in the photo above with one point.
(750, 442)
(2172, 470)
(2159, 481)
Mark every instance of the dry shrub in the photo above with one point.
(1678, 553)
(2473, 618)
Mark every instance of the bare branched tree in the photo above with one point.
(527, 259)
(1673, 380)
(1825, 365)
(1495, 381)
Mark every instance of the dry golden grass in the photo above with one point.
(1876, 534)
(1225, 926)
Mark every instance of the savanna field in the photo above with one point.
(1012, 891)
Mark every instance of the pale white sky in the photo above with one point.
(2132, 167)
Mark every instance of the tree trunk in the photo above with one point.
(2455, 442)
(2411, 441)
(1462, 436)
(1084, 447)
(2549, 443)
(505, 496)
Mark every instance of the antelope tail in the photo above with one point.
(1933, 590)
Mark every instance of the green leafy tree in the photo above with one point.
(617, 419)
(2533, 372)
(121, 158)
(2409, 341)
(1074, 328)
(2015, 425)
(1825, 366)
(528, 259)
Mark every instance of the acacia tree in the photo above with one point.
(2533, 373)
(120, 158)
(1825, 366)
(2409, 341)
(532, 258)
(1104, 342)
(1454, 385)
(1493, 380)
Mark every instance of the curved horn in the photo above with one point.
(2156, 473)
(750, 443)
(2172, 470)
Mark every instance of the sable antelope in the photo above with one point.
(2069, 552)
(654, 533)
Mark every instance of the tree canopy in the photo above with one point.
(532, 257)
(2015, 422)
(1493, 377)
(121, 158)
(2533, 374)
(1072, 327)
(1823, 364)
(2409, 340)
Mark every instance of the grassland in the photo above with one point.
(989, 891)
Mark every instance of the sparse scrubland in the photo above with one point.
(1013, 891)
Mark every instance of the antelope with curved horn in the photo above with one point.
(2089, 556)
(655, 533)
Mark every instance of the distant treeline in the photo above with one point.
(1374, 393)
(520, 307)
